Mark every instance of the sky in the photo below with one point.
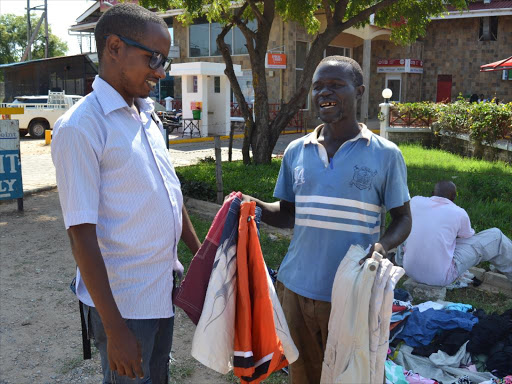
(61, 15)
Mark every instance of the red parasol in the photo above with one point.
(502, 65)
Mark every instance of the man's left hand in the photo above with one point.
(377, 247)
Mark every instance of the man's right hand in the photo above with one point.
(124, 353)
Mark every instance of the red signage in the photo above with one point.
(399, 66)
(275, 60)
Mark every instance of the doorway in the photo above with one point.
(444, 89)
(394, 82)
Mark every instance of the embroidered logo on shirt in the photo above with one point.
(363, 177)
(298, 176)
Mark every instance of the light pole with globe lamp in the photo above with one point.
(384, 112)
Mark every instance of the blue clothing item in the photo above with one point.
(421, 327)
(402, 295)
(400, 316)
(337, 204)
(459, 307)
(230, 230)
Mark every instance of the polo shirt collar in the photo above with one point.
(110, 100)
(364, 133)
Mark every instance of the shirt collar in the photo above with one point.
(442, 200)
(364, 133)
(110, 100)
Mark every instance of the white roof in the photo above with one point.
(202, 68)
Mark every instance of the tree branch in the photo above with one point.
(243, 27)
(269, 8)
(367, 12)
(339, 10)
(255, 10)
(327, 9)
(230, 71)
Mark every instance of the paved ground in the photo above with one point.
(38, 170)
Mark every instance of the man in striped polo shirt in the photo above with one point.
(331, 187)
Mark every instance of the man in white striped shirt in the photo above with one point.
(121, 200)
(331, 187)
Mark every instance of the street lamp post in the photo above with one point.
(384, 112)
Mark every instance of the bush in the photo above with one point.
(490, 122)
(197, 189)
(454, 118)
(423, 109)
(485, 122)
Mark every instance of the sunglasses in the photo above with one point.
(156, 60)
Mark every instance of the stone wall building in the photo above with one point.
(451, 53)
(438, 67)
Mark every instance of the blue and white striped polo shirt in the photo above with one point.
(337, 204)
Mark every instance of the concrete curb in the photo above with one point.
(492, 281)
(30, 192)
(38, 190)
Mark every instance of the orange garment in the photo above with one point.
(258, 350)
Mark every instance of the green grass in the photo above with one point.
(257, 181)
(489, 302)
(484, 188)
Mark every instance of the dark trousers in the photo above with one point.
(155, 339)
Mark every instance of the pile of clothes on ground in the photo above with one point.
(443, 342)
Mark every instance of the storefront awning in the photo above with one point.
(502, 65)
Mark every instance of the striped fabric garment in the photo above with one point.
(324, 212)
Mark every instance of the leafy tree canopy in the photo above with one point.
(323, 19)
(13, 39)
(408, 18)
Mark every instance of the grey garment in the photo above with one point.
(489, 245)
(426, 368)
(462, 357)
(155, 339)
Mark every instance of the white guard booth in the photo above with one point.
(207, 84)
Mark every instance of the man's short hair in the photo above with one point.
(446, 189)
(357, 72)
(125, 19)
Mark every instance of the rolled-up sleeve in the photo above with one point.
(77, 167)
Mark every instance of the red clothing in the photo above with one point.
(258, 350)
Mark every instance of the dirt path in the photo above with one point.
(40, 337)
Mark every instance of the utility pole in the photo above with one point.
(31, 36)
(46, 29)
(29, 32)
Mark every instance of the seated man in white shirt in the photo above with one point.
(442, 245)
